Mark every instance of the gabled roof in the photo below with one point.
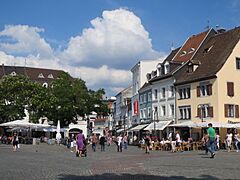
(31, 73)
(168, 59)
(146, 85)
(190, 47)
(211, 57)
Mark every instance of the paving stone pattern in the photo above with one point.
(57, 162)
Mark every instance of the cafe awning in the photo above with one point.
(138, 127)
(161, 125)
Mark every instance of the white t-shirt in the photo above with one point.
(120, 140)
(229, 137)
(178, 139)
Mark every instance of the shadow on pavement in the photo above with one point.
(129, 177)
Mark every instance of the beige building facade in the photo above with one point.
(208, 87)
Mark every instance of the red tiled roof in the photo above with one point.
(211, 57)
(193, 42)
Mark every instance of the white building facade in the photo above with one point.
(139, 78)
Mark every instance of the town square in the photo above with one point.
(57, 162)
(119, 89)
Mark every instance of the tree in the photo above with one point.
(15, 92)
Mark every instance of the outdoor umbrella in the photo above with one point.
(58, 135)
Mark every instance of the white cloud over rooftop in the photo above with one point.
(101, 55)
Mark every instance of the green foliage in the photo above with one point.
(65, 99)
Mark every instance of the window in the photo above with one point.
(40, 75)
(205, 111)
(183, 53)
(230, 89)
(191, 50)
(185, 112)
(207, 49)
(13, 73)
(184, 93)
(205, 89)
(45, 85)
(149, 112)
(155, 113)
(237, 62)
(149, 97)
(50, 76)
(171, 113)
(141, 98)
(167, 68)
(171, 91)
(155, 94)
(145, 98)
(163, 110)
(163, 93)
(144, 113)
(231, 110)
(141, 114)
(190, 68)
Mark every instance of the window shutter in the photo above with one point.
(199, 112)
(230, 88)
(236, 111)
(209, 87)
(198, 91)
(210, 111)
(226, 110)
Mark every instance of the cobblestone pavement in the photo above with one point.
(57, 162)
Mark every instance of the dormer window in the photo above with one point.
(50, 76)
(13, 73)
(192, 67)
(206, 50)
(183, 53)
(148, 76)
(154, 73)
(191, 50)
(40, 75)
(167, 68)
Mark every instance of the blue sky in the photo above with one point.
(100, 40)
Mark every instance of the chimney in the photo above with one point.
(220, 29)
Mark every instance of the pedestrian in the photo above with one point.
(80, 143)
(217, 141)
(236, 139)
(94, 142)
(102, 143)
(119, 143)
(147, 140)
(178, 141)
(205, 141)
(211, 139)
(15, 141)
(125, 141)
(229, 138)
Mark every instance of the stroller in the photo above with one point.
(84, 151)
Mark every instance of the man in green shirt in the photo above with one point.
(212, 136)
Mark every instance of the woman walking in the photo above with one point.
(80, 143)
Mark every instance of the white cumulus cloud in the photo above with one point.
(102, 55)
(28, 41)
(116, 39)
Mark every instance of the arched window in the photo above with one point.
(45, 85)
